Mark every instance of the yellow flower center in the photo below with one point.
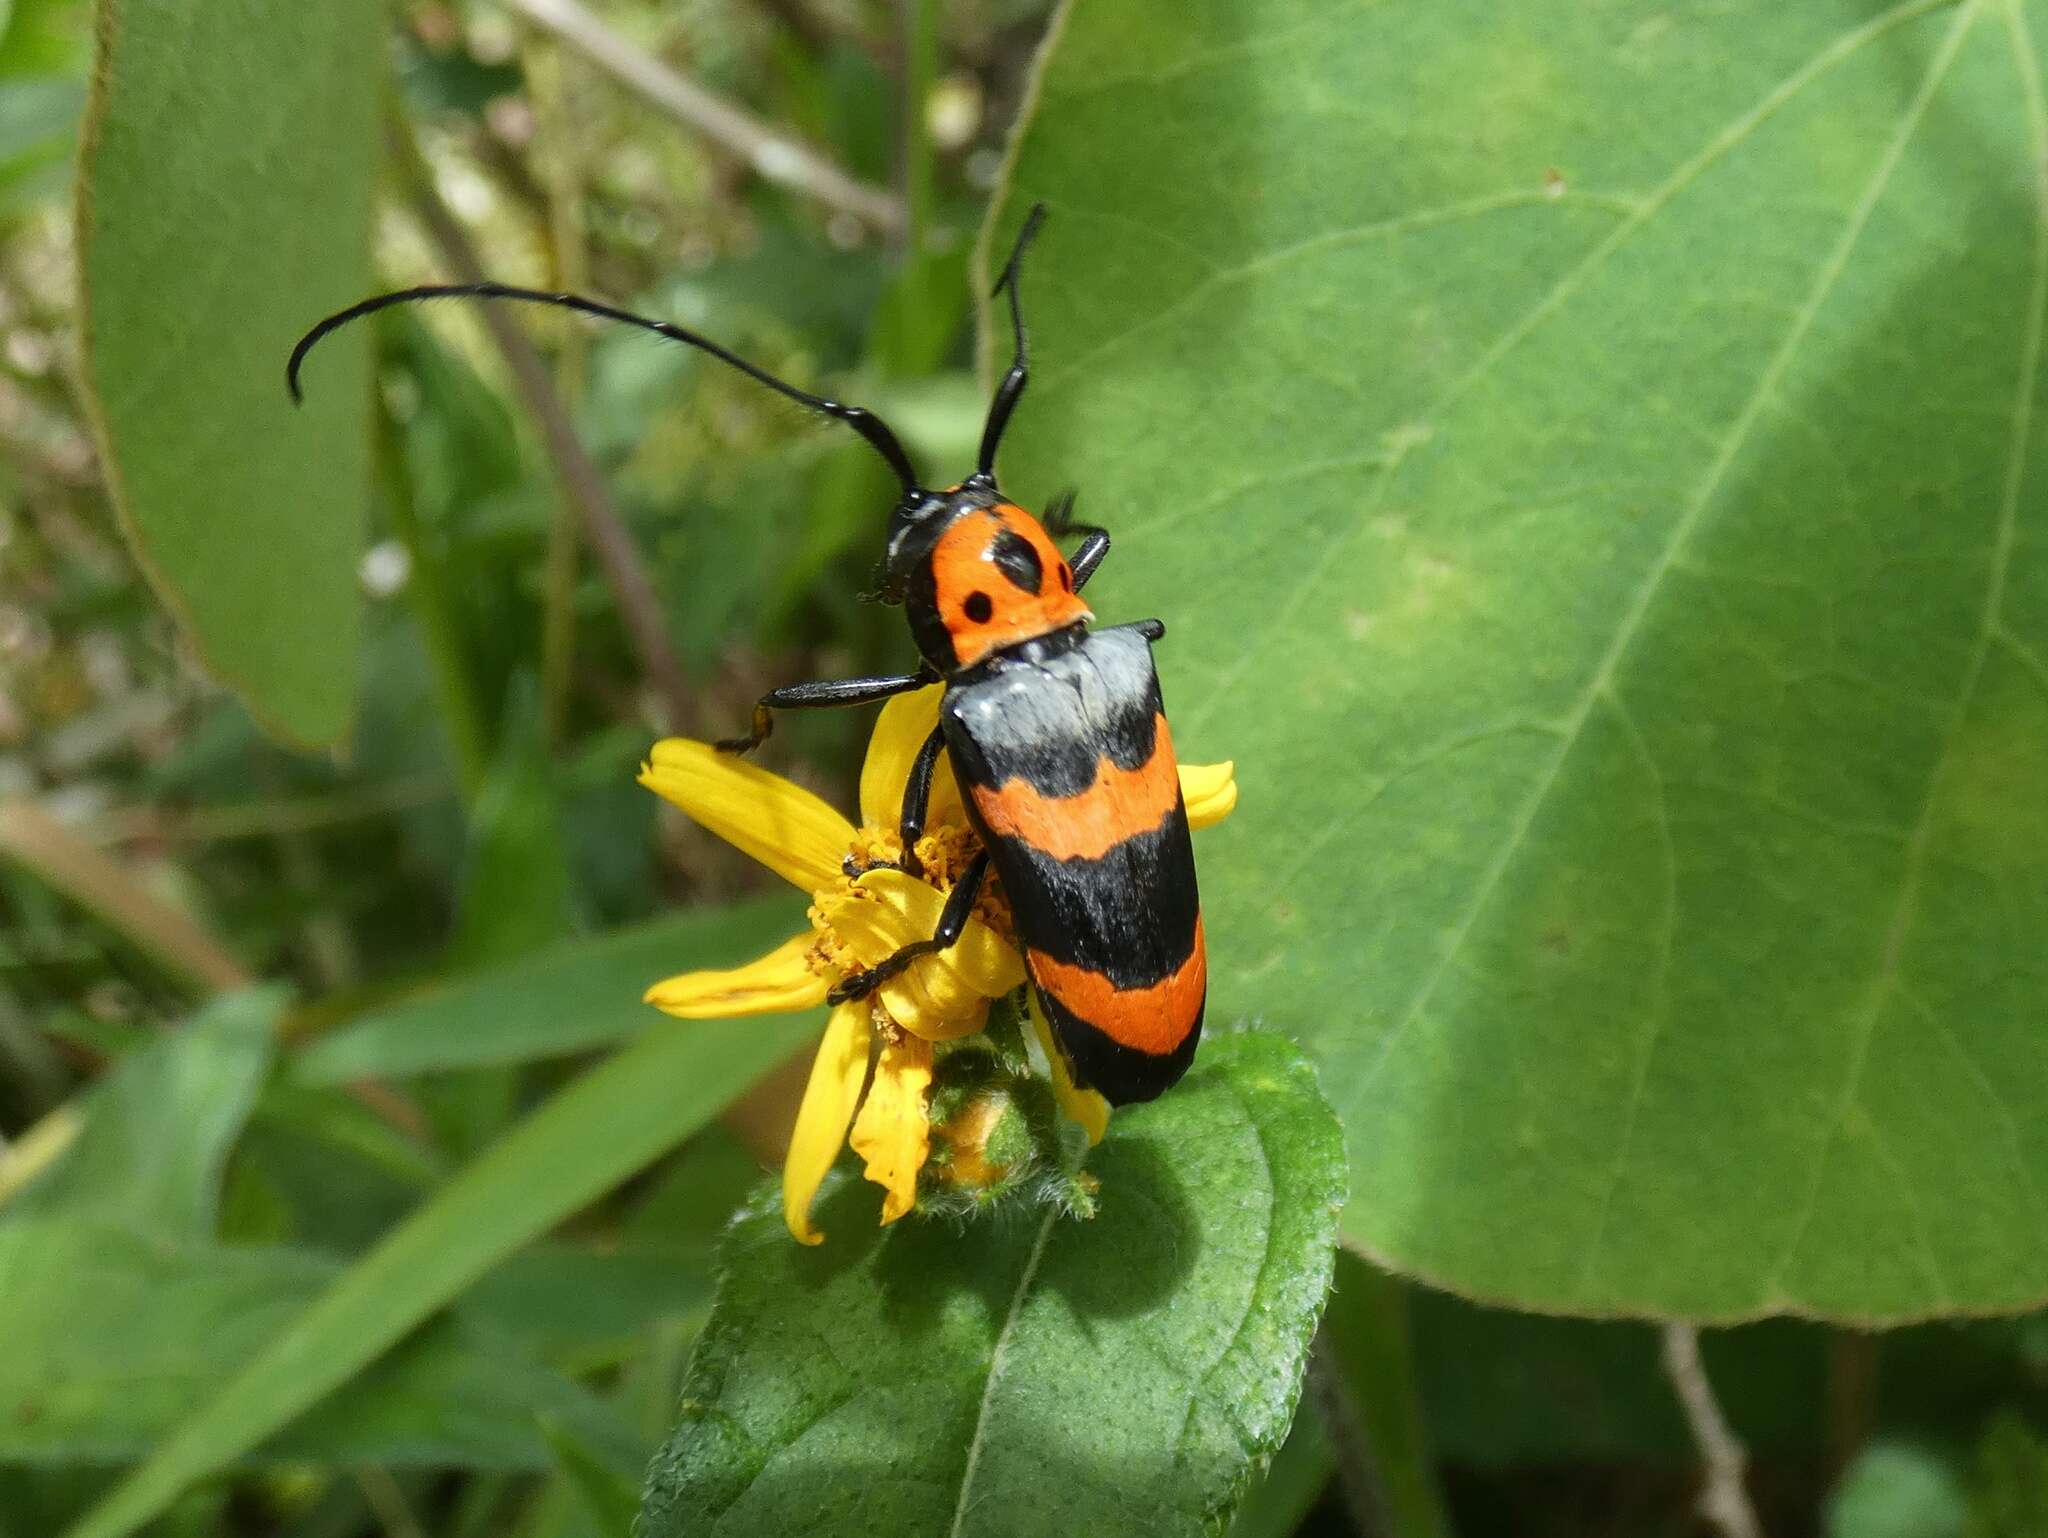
(943, 853)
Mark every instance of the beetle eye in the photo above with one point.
(979, 607)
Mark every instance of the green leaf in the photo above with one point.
(516, 887)
(594, 1133)
(568, 999)
(561, 1299)
(224, 207)
(112, 1337)
(608, 1499)
(1122, 1375)
(43, 37)
(1585, 460)
(159, 1127)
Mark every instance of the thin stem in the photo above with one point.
(440, 629)
(475, 1511)
(1724, 1499)
(1358, 1475)
(778, 156)
(33, 1074)
(387, 1501)
(617, 556)
(266, 819)
(1852, 1396)
(330, 948)
(920, 63)
(562, 176)
(1363, 1374)
(67, 862)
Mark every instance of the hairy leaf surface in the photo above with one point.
(1041, 1376)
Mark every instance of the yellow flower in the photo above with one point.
(863, 910)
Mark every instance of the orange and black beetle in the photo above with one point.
(1056, 733)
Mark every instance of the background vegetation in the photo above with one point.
(1586, 458)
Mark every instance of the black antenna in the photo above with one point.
(866, 423)
(1011, 390)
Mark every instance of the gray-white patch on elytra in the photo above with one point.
(1100, 683)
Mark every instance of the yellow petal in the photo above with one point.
(891, 1132)
(784, 826)
(905, 723)
(1210, 792)
(829, 1099)
(779, 982)
(1083, 1106)
(925, 1002)
(940, 996)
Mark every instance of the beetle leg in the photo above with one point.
(952, 924)
(1089, 556)
(917, 798)
(823, 694)
(1150, 629)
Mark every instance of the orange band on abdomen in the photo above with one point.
(1119, 804)
(1154, 1019)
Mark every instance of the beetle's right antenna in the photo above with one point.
(1011, 390)
(861, 420)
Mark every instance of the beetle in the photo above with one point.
(1056, 731)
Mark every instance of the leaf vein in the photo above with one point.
(1914, 864)
(1220, 277)
(1657, 1015)
(1554, 299)
(996, 1361)
(1732, 443)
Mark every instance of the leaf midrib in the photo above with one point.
(998, 1357)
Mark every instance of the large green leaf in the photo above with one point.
(113, 1337)
(1586, 459)
(569, 998)
(593, 1134)
(1124, 1375)
(225, 206)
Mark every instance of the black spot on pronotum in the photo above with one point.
(979, 607)
(1015, 559)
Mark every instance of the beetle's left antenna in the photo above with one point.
(861, 420)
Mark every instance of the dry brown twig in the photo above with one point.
(612, 543)
(774, 154)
